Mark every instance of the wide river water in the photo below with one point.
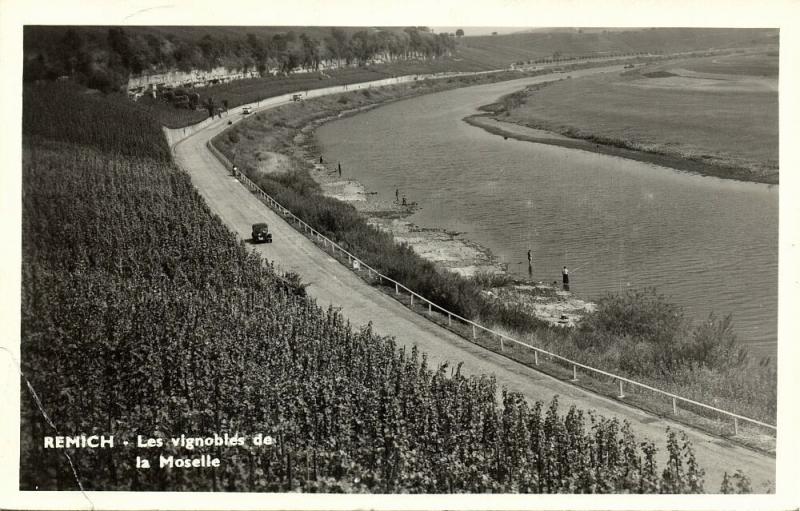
(707, 244)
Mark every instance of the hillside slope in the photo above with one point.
(502, 50)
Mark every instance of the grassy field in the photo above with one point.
(720, 110)
(501, 50)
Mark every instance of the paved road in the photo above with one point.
(332, 283)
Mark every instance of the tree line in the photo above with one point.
(104, 59)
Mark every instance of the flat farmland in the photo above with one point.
(722, 111)
(755, 64)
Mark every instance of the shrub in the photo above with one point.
(182, 102)
(489, 280)
(639, 314)
(737, 483)
(651, 336)
(714, 343)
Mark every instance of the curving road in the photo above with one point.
(332, 283)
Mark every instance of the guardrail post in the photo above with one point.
(674, 407)
(535, 358)
(502, 346)
(412, 299)
(574, 373)
(473, 332)
(429, 308)
(735, 426)
(449, 319)
(396, 289)
(621, 394)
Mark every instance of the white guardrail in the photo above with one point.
(334, 247)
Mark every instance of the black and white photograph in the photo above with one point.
(427, 257)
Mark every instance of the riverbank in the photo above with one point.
(714, 116)
(448, 250)
(521, 132)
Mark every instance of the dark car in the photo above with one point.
(261, 233)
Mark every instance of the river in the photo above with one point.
(707, 244)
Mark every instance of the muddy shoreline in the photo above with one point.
(446, 248)
(490, 123)
(449, 250)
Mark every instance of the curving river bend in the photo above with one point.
(706, 243)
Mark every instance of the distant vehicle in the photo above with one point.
(246, 110)
(261, 233)
(297, 97)
(628, 66)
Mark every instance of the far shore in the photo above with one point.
(524, 133)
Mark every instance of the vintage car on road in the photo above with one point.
(261, 233)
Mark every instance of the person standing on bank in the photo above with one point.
(565, 276)
(529, 258)
(340, 169)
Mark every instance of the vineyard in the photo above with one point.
(143, 315)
